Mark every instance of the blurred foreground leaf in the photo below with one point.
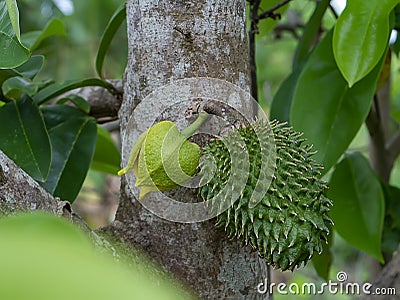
(45, 257)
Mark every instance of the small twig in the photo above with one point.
(255, 18)
(380, 160)
(393, 146)
(333, 12)
(255, 4)
(270, 13)
(224, 111)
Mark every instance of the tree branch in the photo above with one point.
(380, 160)
(388, 278)
(19, 192)
(333, 11)
(255, 18)
(252, 48)
(271, 13)
(104, 105)
(393, 146)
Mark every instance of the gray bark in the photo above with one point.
(388, 278)
(103, 104)
(19, 192)
(171, 40)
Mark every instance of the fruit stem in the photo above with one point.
(188, 131)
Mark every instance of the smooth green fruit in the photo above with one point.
(162, 158)
(165, 154)
(289, 223)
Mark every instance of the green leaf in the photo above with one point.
(73, 143)
(6, 74)
(24, 137)
(14, 87)
(106, 156)
(361, 36)
(32, 67)
(358, 204)
(12, 52)
(34, 39)
(325, 108)
(28, 69)
(322, 262)
(81, 103)
(54, 115)
(282, 102)
(6, 25)
(42, 254)
(13, 14)
(58, 89)
(113, 25)
(310, 32)
(37, 225)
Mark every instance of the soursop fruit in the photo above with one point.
(289, 222)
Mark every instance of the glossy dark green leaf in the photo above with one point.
(325, 108)
(106, 156)
(310, 32)
(361, 36)
(282, 102)
(24, 137)
(13, 14)
(6, 74)
(54, 115)
(113, 25)
(358, 204)
(81, 103)
(12, 52)
(6, 24)
(58, 89)
(8, 45)
(73, 143)
(33, 39)
(14, 87)
(28, 69)
(32, 67)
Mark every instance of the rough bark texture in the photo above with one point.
(19, 192)
(388, 278)
(171, 40)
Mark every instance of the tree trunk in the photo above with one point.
(170, 40)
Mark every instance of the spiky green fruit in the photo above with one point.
(289, 222)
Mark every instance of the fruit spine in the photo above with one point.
(289, 222)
